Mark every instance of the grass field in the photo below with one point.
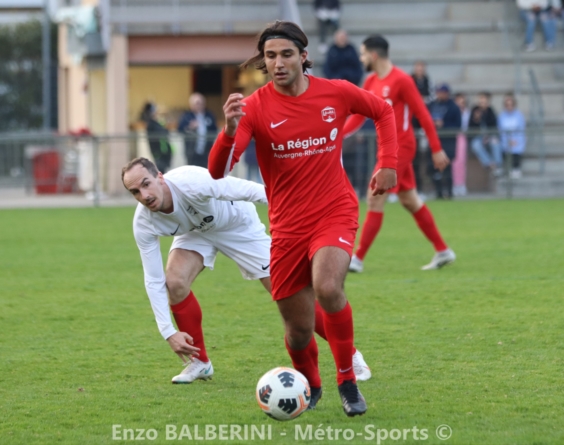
(477, 346)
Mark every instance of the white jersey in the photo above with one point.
(201, 205)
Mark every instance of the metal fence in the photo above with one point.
(41, 165)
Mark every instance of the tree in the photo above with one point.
(21, 74)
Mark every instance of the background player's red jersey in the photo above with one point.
(298, 143)
(400, 91)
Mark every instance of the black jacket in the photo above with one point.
(343, 63)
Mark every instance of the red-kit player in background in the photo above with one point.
(297, 121)
(399, 90)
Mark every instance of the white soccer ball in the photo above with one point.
(283, 393)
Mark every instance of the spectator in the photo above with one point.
(544, 11)
(425, 88)
(484, 121)
(328, 13)
(250, 157)
(158, 138)
(446, 115)
(511, 125)
(342, 60)
(200, 125)
(459, 163)
(422, 81)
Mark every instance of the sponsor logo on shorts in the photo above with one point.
(265, 267)
(344, 241)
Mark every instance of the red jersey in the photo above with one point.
(298, 144)
(399, 90)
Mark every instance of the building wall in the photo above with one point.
(169, 87)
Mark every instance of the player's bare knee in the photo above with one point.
(299, 337)
(327, 291)
(178, 288)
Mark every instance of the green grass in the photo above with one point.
(477, 346)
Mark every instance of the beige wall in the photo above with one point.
(168, 87)
(97, 101)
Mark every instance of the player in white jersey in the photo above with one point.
(204, 216)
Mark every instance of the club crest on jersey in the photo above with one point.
(328, 114)
(385, 91)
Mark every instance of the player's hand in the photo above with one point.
(233, 110)
(440, 160)
(383, 180)
(181, 343)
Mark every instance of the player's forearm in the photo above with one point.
(387, 139)
(221, 154)
(159, 303)
(353, 124)
(235, 189)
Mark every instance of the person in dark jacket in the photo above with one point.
(426, 90)
(483, 130)
(158, 138)
(447, 118)
(342, 60)
(199, 128)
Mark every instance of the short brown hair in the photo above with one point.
(283, 30)
(151, 167)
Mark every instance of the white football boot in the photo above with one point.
(440, 259)
(356, 265)
(360, 368)
(195, 370)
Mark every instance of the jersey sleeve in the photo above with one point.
(369, 105)
(155, 280)
(227, 150)
(413, 99)
(230, 189)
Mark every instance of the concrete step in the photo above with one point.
(548, 185)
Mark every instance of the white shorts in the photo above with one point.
(247, 244)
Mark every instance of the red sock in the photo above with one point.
(305, 361)
(340, 335)
(188, 316)
(426, 223)
(370, 230)
(320, 324)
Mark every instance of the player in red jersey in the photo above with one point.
(399, 90)
(297, 121)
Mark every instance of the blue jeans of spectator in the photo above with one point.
(547, 21)
(480, 149)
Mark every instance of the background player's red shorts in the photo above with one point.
(290, 258)
(406, 177)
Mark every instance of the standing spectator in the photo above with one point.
(158, 137)
(250, 157)
(328, 13)
(511, 125)
(425, 88)
(459, 163)
(484, 121)
(543, 11)
(342, 60)
(200, 125)
(446, 115)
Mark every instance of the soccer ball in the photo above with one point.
(283, 393)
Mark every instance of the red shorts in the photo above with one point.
(406, 177)
(290, 258)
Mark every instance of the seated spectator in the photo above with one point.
(446, 115)
(200, 126)
(158, 137)
(328, 13)
(459, 163)
(342, 60)
(544, 11)
(485, 145)
(511, 125)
